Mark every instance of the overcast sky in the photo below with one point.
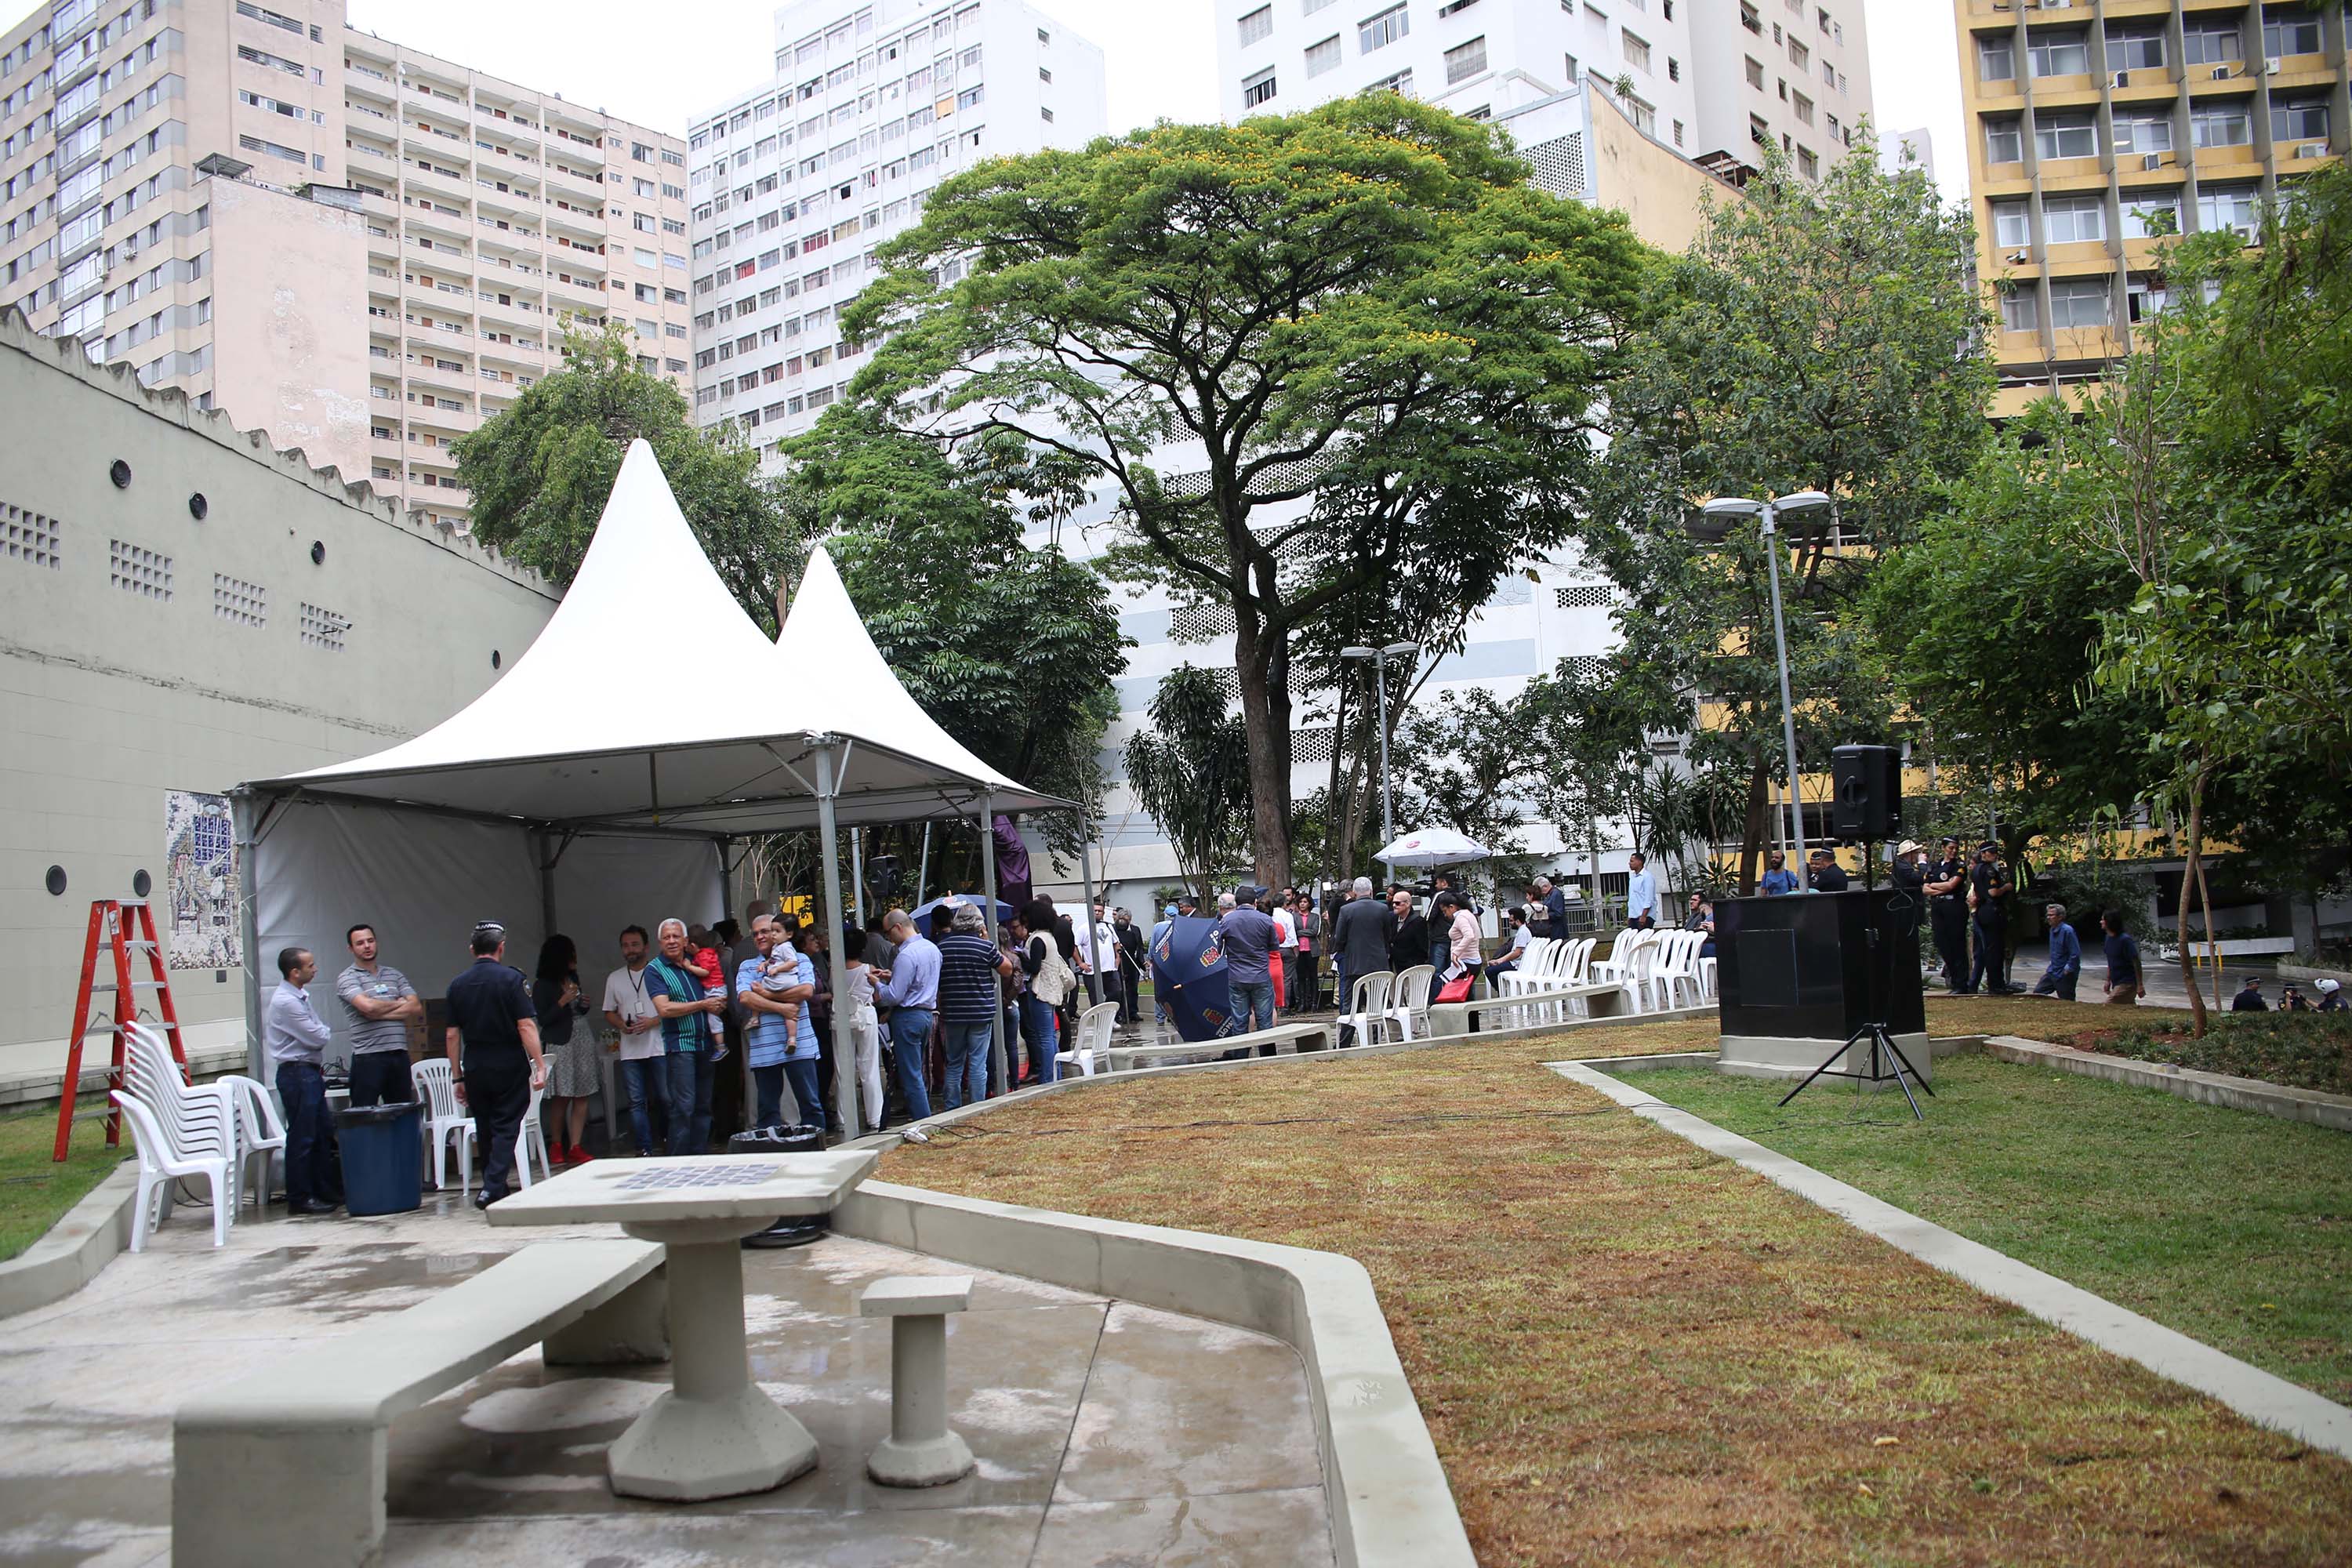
(685, 57)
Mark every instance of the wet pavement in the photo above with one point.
(1105, 1433)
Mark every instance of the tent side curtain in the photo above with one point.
(423, 881)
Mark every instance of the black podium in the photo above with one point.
(1801, 965)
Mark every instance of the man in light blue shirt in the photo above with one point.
(296, 1039)
(1641, 894)
(778, 1036)
(911, 987)
(2066, 966)
(1777, 881)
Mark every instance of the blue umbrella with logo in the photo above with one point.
(1188, 977)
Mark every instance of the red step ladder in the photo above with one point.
(110, 923)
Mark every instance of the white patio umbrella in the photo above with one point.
(1432, 847)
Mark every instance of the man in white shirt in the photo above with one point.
(1641, 894)
(630, 1012)
(1098, 946)
(296, 1039)
(1286, 954)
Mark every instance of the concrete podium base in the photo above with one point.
(1772, 1056)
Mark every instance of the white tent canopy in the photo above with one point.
(598, 782)
(599, 726)
(1433, 846)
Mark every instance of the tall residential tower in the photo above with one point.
(794, 185)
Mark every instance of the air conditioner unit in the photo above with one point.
(2122, 79)
(2271, 67)
(2151, 160)
(2310, 148)
(2054, 4)
(2220, 73)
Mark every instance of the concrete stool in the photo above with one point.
(919, 1451)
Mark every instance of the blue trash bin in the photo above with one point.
(384, 1157)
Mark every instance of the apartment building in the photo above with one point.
(2097, 130)
(358, 249)
(1714, 79)
(794, 185)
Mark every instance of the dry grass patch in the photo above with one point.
(1629, 1350)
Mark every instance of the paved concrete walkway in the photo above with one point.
(1105, 1433)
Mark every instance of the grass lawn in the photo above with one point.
(2233, 1228)
(1629, 1350)
(34, 1192)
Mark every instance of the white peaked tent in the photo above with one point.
(605, 777)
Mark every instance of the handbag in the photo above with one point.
(1458, 988)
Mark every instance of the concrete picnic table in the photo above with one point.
(715, 1432)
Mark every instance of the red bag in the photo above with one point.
(1458, 988)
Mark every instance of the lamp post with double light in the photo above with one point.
(1715, 524)
(1379, 658)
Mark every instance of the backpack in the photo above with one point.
(1053, 982)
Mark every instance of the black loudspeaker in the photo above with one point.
(1867, 803)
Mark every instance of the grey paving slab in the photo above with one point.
(685, 1537)
(1221, 1530)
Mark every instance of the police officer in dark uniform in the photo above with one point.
(1988, 890)
(491, 1017)
(1946, 887)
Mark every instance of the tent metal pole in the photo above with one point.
(922, 868)
(541, 840)
(242, 814)
(1086, 927)
(844, 1048)
(858, 875)
(996, 1065)
(749, 1090)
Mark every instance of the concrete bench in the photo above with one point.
(2232, 947)
(1610, 999)
(287, 1466)
(1265, 1042)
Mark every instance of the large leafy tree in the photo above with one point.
(1011, 647)
(1309, 357)
(542, 469)
(1815, 337)
(1191, 770)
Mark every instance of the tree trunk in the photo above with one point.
(2193, 845)
(1267, 722)
(2212, 949)
(1752, 833)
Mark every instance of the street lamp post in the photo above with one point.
(1769, 511)
(1379, 658)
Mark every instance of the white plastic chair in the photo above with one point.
(1411, 995)
(1543, 955)
(532, 1136)
(1368, 1005)
(1627, 964)
(1090, 1040)
(260, 1133)
(162, 1160)
(1675, 976)
(444, 1121)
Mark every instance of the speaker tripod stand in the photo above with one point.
(1880, 1069)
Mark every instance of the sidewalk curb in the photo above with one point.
(2260, 1396)
(2330, 1111)
(68, 1257)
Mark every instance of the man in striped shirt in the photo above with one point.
(968, 1002)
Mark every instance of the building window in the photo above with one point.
(2021, 309)
(2149, 215)
(1572, 70)
(2142, 129)
(2003, 144)
(2011, 228)
(1808, 165)
(2236, 208)
(1400, 84)
(2073, 220)
(1755, 73)
(325, 628)
(1323, 57)
(2135, 49)
(2300, 120)
(1804, 108)
(137, 570)
(1257, 25)
(2080, 303)
(1678, 132)
(2066, 53)
(2074, 135)
(1258, 89)
(2223, 124)
(2290, 30)
(2210, 41)
(234, 599)
(1674, 69)
(1465, 60)
(1381, 29)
